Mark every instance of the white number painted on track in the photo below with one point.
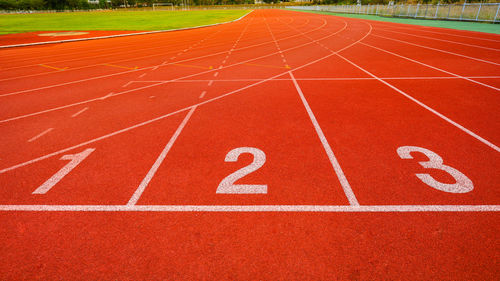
(463, 183)
(75, 160)
(227, 185)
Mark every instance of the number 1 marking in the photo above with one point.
(227, 185)
(75, 160)
(463, 183)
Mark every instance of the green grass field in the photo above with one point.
(461, 25)
(114, 20)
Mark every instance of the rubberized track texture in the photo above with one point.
(285, 145)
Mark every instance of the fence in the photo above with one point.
(486, 12)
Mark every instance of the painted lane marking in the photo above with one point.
(443, 40)
(120, 66)
(439, 50)
(210, 83)
(415, 100)
(263, 65)
(92, 78)
(469, 132)
(430, 66)
(106, 96)
(227, 185)
(142, 75)
(53, 67)
(216, 74)
(174, 112)
(75, 160)
(191, 65)
(255, 208)
(142, 186)
(79, 112)
(321, 79)
(151, 97)
(41, 134)
(202, 94)
(329, 152)
(128, 83)
(155, 67)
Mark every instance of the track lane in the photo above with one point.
(229, 245)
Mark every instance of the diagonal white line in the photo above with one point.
(175, 112)
(469, 132)
(142, 186)
(439, 50)
(331, 156)
(41, 134)
(79, 112)
(430, 66)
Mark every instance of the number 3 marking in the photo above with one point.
(227, 185)
(463, 183)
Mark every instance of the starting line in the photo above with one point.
(255, 208)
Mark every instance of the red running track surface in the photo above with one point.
(371, 153)
(50, 36)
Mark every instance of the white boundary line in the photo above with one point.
(469, 132)
(144, 68)
(329, 152)
(435, 49)
(177, 111)
(41, 134)
(121, 35)
(430, 66)
(149, 176)
(443, 40)
(323, 79)
(149, 86)
(254, 208)
(144, 183)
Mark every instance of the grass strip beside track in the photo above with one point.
(114, 20)
(459, 25)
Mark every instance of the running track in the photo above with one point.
(371, 152)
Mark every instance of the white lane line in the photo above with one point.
(41, 134)
(254, 208)
(79, 112)
(419, 28)
(430, 66)
(151, 97)
(469, 132)
(202, 94)
(128, 71)
(329, 152)
(46, 156)
(142, 75)
(323, 79)
(101, 98)
(161, 83)
(210, 83)
(128, 83)
(216, 74)
(439, 50)
(137, 194)
(443, 40)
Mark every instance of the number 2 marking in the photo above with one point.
(75, 160)
(463, 183)
(227, 185)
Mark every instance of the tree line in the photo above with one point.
(27, 5)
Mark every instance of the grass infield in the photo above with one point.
(460, 25)
(114, 20)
